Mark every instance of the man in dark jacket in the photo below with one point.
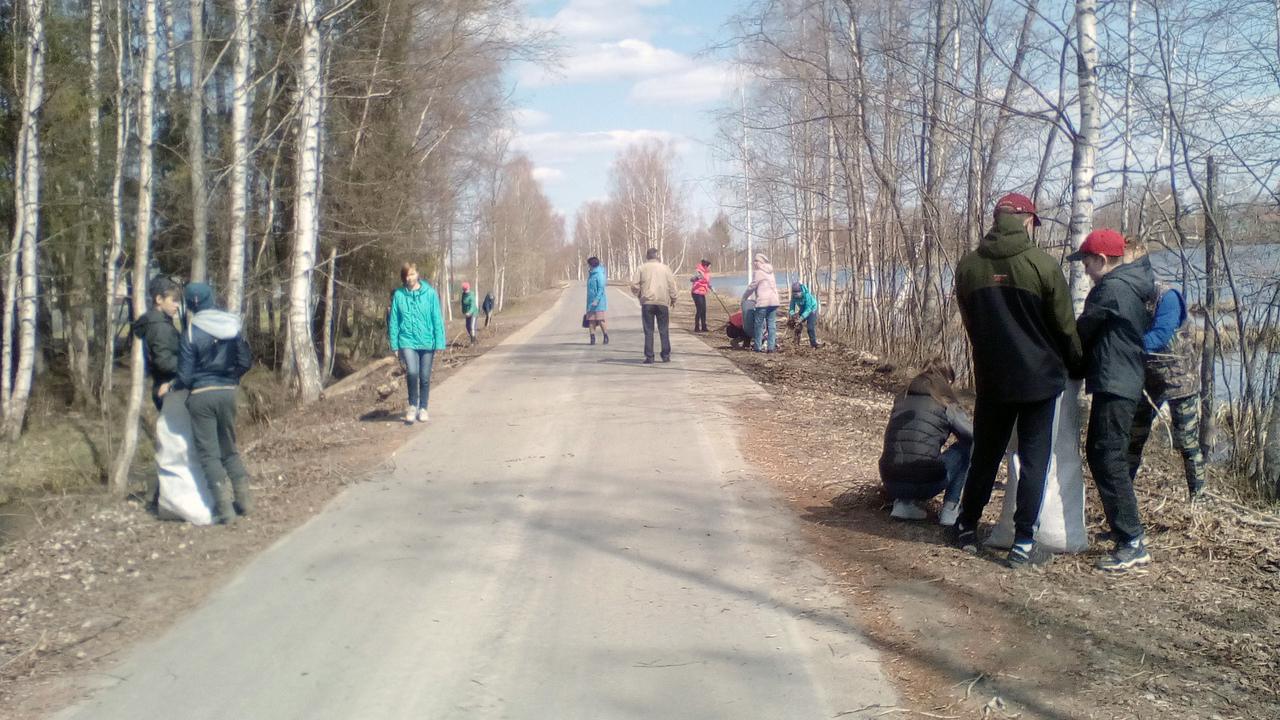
(158, 335)
(160, 348)
(212, 357)
(487, 307)
(1016, 307)
(1111, 327)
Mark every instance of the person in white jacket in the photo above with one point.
(765, 290)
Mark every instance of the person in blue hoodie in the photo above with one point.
(596, 300)
(804, 312)
(212, 357)
(415, 329)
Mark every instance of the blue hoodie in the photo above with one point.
(596, 301)
(807, 302)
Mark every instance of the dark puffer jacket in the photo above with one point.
(1115, 317)
(1017, 309)
(918, 428)
(160, 347)
(212, 352)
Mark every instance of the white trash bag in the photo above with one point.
(184, 495)
(1061, 526)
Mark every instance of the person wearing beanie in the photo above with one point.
(1016, 309)
(701, 284)
(764, 290)
(469, 310)
(1112, 326)
(212, 357)
(803, 313)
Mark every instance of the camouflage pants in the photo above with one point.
(1185, 421)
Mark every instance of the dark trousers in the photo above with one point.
(1106, 447)
(661, 314)
(471, 327)
(993, 423)
(699, 312)
(213, 425)
(811, 323)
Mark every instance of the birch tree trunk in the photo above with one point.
(112, 279)
(240, 98)
(95, 84)
(1086, 142)
(306, 207)
(26, 226)
(195, 143)
(118, 481)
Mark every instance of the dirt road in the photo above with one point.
(573, 534)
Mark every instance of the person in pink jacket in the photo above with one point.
(701, 284)
(765, 290)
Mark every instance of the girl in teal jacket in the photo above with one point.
(416, 330)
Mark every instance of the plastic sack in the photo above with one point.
(184, 495)
(1061, 525)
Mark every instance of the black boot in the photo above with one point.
(593, 339)
(224, 508)
(606, 338)
(240, 493)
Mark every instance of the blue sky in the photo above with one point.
(631, 69)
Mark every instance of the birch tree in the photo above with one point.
(119, 478)
(23, 258)
(306, 207)
(195, 147)
(241, 97)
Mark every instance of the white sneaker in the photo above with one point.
(410, 415)
(907, 510)
(950, 513)
(422, 414)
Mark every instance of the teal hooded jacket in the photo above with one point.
(415, 322)
(807, 302)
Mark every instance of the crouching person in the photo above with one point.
(212, 357)
(913, 466)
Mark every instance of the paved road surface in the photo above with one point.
(572, 535)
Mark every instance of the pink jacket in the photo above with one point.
(701, 281)
(764, 287)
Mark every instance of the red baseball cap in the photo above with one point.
(1100, 242)
(1013, 202)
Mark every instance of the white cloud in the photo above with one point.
(602, 62)
(691, 87)
(548, 175)
(561, 148)
(530, 118)
(593, 20)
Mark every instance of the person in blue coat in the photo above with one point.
(804, 312)
(416, 331)
(596, 300)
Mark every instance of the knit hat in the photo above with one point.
(466, 286)
(762, 258)
(1100, 242)
(198, 296)
(1015, 203)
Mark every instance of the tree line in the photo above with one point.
(868, 141)
(291, 153)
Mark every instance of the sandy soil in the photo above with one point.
(1196, 636)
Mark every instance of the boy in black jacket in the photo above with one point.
(160, 347)
(1115, 317)
(212, 357)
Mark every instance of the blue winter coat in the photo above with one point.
(596, 301)
(415, 322)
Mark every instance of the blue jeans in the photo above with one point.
(956, 458)
(417, 370)
(766, 319)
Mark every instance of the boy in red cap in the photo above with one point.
(1111, 328)
(1016, 308)
(469, 310)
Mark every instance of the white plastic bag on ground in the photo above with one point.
(1061, 525)
(183, 492)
